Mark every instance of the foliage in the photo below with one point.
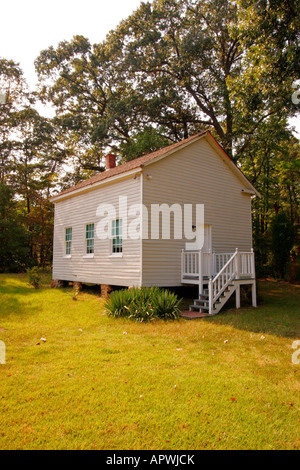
(13, 235)
(34, 277)
(165, 304)
(13, 246)
(143, 304)
(283, 237)
(31, 154)
(146, 141)
(156, 69)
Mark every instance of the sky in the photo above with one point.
(29, 26)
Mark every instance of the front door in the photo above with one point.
(207, 238)
(203, 239)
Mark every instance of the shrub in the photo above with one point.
(166, 304)
(143, 304)
(34, 277)
(116, 305)
(283, 236)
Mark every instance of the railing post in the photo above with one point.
(254, 299)
(238, 266)
(210, 296)
(252, 263)
(182, 265)
(200, 272)
(238, 296)
(210, 272)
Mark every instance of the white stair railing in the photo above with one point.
(197, 263)
(221, 281)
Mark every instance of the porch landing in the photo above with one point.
(192, 315)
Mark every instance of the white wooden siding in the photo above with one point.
(195, 174)
(80, 210)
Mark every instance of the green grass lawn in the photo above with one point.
(226, 382)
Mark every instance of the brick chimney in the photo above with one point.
(110, 161)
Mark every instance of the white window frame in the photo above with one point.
(68, 255)
(86, 254)
(114, 236)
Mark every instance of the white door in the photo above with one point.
(207, 238)
(202, 239)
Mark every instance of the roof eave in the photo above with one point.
(91, 187)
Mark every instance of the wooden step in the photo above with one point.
(203, 298)
(201, 301)
(198, 307)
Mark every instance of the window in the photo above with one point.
(89, 237)
(116, 233)
(68, 241)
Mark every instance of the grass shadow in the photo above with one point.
(278, 311)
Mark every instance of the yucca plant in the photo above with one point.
(143, 304)
(166, 304)
(117, 303)
(141, 310)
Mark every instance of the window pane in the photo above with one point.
(118, 227)
(89, 235)
(68, 240)
(89, 231)
(68, 234)
(90, 246)
(117, 241)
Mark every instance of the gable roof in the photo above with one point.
(145, 160)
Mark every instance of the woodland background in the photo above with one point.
(168, 71)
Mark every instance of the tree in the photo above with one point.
(164, 67)
(13, 235)
(82, 92)
(31, 153)
(175, 66)
(177, 55)
(143, 142)
(283, 236)
(268, 32)
(15, 96)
